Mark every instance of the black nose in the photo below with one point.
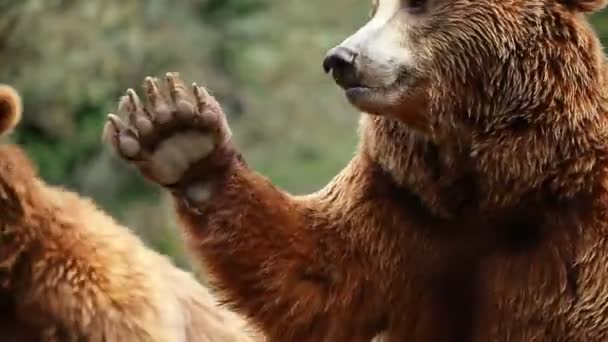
(340, 62)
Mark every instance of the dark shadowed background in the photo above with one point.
(71, 60)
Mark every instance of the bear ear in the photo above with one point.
(586, 6)
(10, 109)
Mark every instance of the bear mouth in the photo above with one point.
(398, 99)
(367, 99)
(357, 93)
(375, 97)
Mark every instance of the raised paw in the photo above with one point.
(174, 130)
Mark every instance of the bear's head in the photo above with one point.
(505, 96)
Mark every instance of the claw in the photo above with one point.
(119, 126)
(201, 97)
(151, 81)
(200, 92)
(136, 104)
(138, 118)
(121, 136)
(152, 91)
(208, 115)
(176, 87)
(110, 130)
(173, 80)
(159, 109)
(124, 106)
(180, 96)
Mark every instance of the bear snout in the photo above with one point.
(341, 63)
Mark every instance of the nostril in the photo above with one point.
(329, 63)
(339, 57)
(340, 62)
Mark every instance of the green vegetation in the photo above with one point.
(72, 59)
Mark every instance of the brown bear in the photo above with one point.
(68, 272)
(476, 208)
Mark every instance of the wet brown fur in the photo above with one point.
(488, 225)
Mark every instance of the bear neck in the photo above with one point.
(460, 173)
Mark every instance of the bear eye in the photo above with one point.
(416, 6)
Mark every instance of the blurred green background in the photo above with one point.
(71, 60)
